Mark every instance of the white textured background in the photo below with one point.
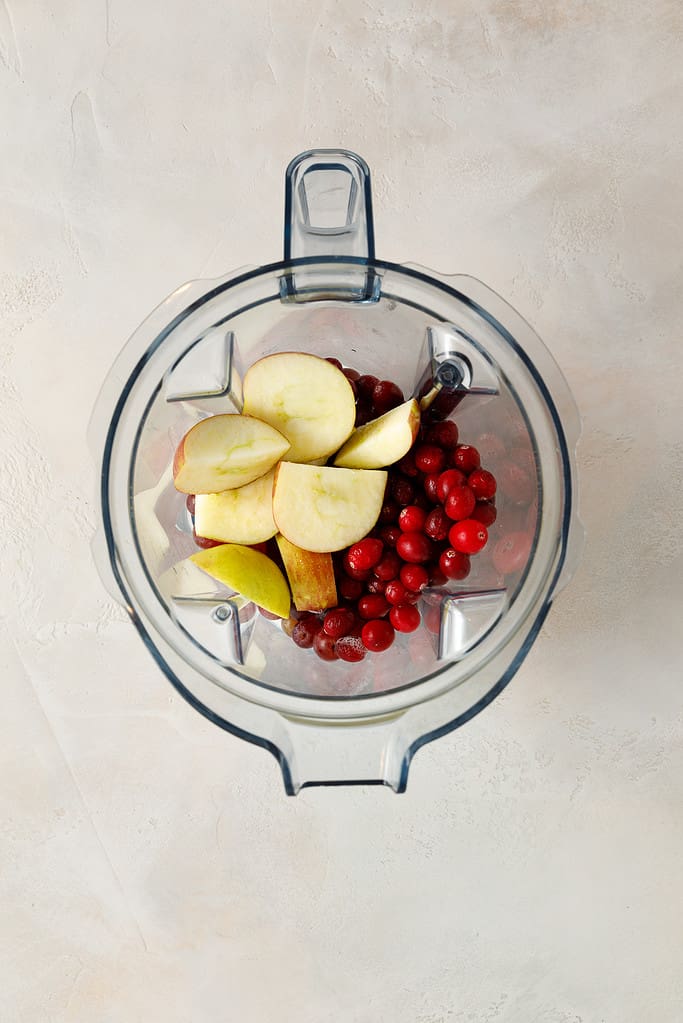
(151, 867)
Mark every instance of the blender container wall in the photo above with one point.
(449, 340)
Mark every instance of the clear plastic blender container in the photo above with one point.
(449, 340)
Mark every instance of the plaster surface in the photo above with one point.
(151, 867)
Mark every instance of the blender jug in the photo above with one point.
(451, 342)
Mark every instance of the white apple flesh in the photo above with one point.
(382, 441)
(323, 508)
(305, 398)
(225, 452)
(243, 516)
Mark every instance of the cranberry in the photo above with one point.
(395, 592)
(351, 374)
(365, 554)
(517, 484)
(385, 396)
(205, 542)
(414, 547)
(376, 585)
(350, 589)
(366, 385)
(335, 362)
(189, 503)
(445, 402)
(414, 577)
(511, 552)
(404, 617)
(454, 564)
(444, 434)
(429, 458)
(523, 457)
(305, 631)
(402, 490)
(377, 635)
(390, 535)
(422, 501)
(447, 480)
(262, 547)
(430, 486)
(338, 622)
(483, 484)
(411, 519)
(490, 447)
(269, 614)
(436, 576)
(390, 565)
(437, 524)
(407, 466)
(356, 574)
(389, 512)
(373, 605)
(432, 619)
(350, 648)
(460, 503)
(324, 646)
(363, 412)
(484, 512)
(466, 458)
(468, 536)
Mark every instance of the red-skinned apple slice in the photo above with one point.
(382, 441)
(243, 516)
(225, 452)
(305, 398)
(254, 575)
(310, 575)
(323, 508)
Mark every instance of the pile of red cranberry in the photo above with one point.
(438, 505)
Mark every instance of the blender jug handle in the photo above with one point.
(328, 206)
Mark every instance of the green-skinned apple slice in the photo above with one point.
(225, 452)
(254, 575)
(323, 508)
(242, 516)
(382, 441)
(310, 575)
(305, 398)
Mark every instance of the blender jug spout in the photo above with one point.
(328, 205)
(328, 215)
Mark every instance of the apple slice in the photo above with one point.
(244, 515)
(382, 441)
(306, 398)
(254, 575)
(310, 575)
(225, 452)
(322, 508)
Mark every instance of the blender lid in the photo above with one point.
(451, 342)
